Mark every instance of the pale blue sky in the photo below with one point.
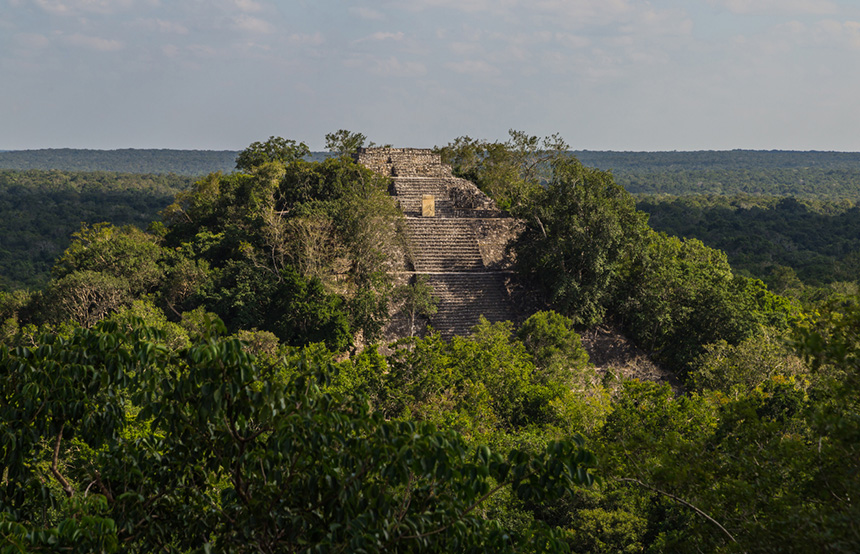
(606, 74)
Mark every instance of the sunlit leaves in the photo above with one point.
(241, 462)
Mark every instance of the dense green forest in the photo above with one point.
(219, 382)
(786, 242)
(801, 183)
(39, 211)
(703, 160)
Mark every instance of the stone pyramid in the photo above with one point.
(456, 236)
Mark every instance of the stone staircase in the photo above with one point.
(443, 244)
(465, 297)
(410, 190)
(459, 264)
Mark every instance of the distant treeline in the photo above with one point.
(728, 199)
(811, 174)
(39, 210)
(812, 183)
(628, 162)
(818, 175)
(128, 160)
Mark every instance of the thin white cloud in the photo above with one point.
(578, 12)
(796, 36)
(73, 7)
(472, 6)
(32, 41)
(252, 24)
(386, 67)
(571, 41)
(473, 67)
(380, 36)
(393, 67)
(463, 48)
(163, 26)
(844, 33)
(93, 43)
(581, 12)
(778, 7)
(203, 51)
(54, 7)
(250, 6)
(366, 13)
(314, 39)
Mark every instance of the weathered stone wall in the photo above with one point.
(493, 236)
(469, 201)
(403, 162)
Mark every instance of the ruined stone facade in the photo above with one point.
(456, 236)
(403, 162)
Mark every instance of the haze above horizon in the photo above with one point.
(621, 75)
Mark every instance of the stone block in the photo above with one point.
(428, 206)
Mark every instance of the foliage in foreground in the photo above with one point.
(113, 442)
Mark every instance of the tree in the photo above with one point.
(578, 231)
(679, 295)
(556, 348)
(343, 142)
(831, 343)
(743, 367)
(417, 300)
(196, 450)
(126, 253)
(83, 297)
(302, 249)
(275, 149)
(509, 172)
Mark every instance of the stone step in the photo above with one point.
(410, 194)
(440, 244)
(414, 208)
(411, 187)
(465, 297)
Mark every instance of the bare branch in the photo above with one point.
(67, 488)
(680, 501)
(102, 487)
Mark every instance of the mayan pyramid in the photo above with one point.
(456, 237)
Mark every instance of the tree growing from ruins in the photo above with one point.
(343, 142)
(417, 300)
(578, 230)
(511, 171)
